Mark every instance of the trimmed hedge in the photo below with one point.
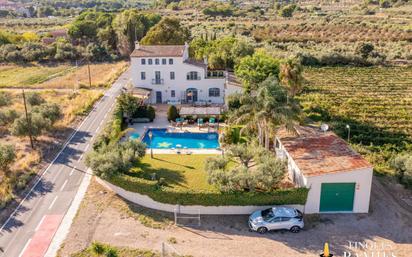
(191, 197)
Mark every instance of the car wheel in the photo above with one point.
(262, 230)
(295, 229)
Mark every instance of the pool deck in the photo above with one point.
(161, 122)
(184, 151)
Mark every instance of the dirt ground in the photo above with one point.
(106, 218)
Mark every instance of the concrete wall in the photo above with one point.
(147, 202)
(362, 178)
(179, 84)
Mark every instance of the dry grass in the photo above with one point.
(12, 76)
(60, 90)
(59, 76)
(101, 76)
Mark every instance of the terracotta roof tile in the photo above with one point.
(159, 51)
(318, 153)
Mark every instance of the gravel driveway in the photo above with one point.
(107, 218)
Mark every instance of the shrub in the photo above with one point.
(111, 252)
(38, 124)
(109, 160)
(34, 98)
(7, 157)
(264, 174)
(48, 111)
(4, 99)
(97, 248)
(403, 167)
(287, 11)
(172, 113)
(33, 51)
(151, 113)
(8, 117)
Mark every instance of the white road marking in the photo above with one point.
(87, 147)
(52, 203)
(64, 184)
(81, 156)
(98, 127)
(25, 247)
(38, 225)
(71, 172)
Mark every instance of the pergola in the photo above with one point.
(199, 111)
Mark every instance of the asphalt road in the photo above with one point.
(29, 230)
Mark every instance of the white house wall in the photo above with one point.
(362, 178)
(180, 84)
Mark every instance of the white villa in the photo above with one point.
(171, 77)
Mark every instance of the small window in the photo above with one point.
(150, 61)
(157, 62)
(170, 61)
(143, 61)
(143, 75)
(172, 75)
(172, 93)
(164, 61)
(214, 92)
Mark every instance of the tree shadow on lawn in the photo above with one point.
(184, 166)
(146, 171)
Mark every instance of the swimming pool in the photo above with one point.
(164, 140)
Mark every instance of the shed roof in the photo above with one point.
(158, 51)
(317, 153)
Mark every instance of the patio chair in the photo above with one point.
(200, 123)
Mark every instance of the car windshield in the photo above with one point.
(267, 214)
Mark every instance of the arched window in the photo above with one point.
(193, 75)
(214, 92)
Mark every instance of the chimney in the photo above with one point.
(186, 52)
(136, 45)
(206, 64)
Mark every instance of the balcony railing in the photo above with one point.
(157, 81)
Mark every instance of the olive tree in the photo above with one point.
(7, 157)
(245, 168)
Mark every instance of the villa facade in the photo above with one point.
(171, 77)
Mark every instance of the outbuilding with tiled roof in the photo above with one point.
(339, 178)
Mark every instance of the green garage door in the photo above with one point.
(337, 197)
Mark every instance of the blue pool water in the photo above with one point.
(134, 136)
(163, 140)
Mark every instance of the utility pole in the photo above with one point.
(28, 120)
(90, 77)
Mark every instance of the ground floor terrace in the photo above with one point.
(190, 95)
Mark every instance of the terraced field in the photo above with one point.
(375, 102)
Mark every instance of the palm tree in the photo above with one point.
(265, 110)
(276, 108)
(291, 76)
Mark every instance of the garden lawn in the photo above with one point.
(186, 183)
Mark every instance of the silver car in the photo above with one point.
(279, 217)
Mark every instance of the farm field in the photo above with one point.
(375, 102)
(59, 76)
(74, 100)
